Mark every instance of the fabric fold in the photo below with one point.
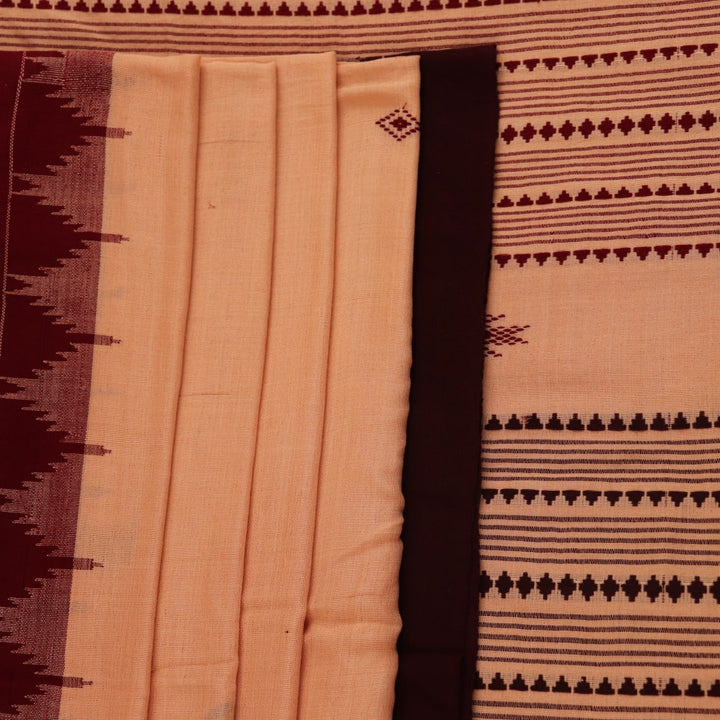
(195, 655)
(285, 474)
(349, 657)
(142, 301)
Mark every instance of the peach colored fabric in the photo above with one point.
(195, 656)
(349, 660)
(248, 517)
(284, 484)
(143, 298)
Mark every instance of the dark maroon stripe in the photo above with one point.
(538, 441)
(593, 663)
(586, 451)
(623, 174)
(674, 710)
(595, 518)
(682, 84)
(599, 616)
(574, 627)
(605, 653)
(598, 550)
(596, 471)
(613, 530)
(609, 166)
(649, 228)
(595, 541)
(595, 461)
(580, 218)
(556, 639)
(439, 573)
(598, 561)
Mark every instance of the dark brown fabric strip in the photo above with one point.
(439, 573)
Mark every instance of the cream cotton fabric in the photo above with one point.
(245, 520)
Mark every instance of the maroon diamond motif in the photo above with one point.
(666, 122)
(528, 133)
(547, 130)
(626, 125)
(687, 121)
(647, 123)
(509, 134)
(400, 123)
(586, 128)
(708, 119)
(567, 129)
(606, 126)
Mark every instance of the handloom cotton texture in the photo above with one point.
(207, 334)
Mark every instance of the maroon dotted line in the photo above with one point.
(607, 126)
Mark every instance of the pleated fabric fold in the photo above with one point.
(352, 622)
(238, 485)
(195, 654)
(285, 474)
(142, 303)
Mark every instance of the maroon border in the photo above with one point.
(54, 109)
(439, 573)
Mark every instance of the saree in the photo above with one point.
(597, 584)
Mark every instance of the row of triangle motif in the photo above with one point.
(649, 54)
(634, 497)
(283, 10)
(609, 587)
(666, 123)
(603, 194)
(583, 687)
(638, 423)
(601, 254)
